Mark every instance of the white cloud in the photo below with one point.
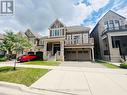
(81, 11)
(123, 11)
(97, 4)
(39, 14)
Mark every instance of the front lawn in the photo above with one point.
(48, 63)
(124, 65)
(106, 64)
(25, 76)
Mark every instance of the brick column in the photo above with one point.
(45, 57)
(62, 50)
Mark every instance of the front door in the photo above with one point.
(56, 48)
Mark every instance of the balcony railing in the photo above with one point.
(90, 42)
(115, 29)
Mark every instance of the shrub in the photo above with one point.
(123, 66)
(3, 58)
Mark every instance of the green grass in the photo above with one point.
(25, 76)
(124, 65)
(107, 64)
(48, 63)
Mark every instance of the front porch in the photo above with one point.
(54, 49)
(115, 46)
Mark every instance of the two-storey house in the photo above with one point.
(110, 36)
(68, 43)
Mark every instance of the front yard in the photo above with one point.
(25, 76)
(106, 64)
(48, 63)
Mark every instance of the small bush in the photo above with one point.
(123, 66)
(3, 58)
(101, 61)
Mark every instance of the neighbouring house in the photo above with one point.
(69, 43)
(110, 36)
(36, 41)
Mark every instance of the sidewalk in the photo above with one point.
(84, 81)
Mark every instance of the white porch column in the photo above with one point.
(45, 57)
(93, 54)
(62, 50)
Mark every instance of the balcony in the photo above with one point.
(115, 29)
(90, 43)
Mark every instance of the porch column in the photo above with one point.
(109, 46)
(93, 54)
(45, 51)
(62, 50)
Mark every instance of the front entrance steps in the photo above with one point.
(52, 58)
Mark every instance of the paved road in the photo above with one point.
(84, 81)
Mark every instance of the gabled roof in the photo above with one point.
(106, 14)
(29, 34)
(113, 13)
(56, 21)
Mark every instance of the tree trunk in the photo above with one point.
(9, 54)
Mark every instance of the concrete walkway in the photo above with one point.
(88, 64)
(83, 81)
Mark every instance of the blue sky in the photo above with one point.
(39, 14)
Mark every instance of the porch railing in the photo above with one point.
(71, 42)
(115, 29)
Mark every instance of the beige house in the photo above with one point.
(68, 43)
(110, 35)
(63, 43)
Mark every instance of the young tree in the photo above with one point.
(14, 43)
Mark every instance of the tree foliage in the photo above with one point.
(14, 42)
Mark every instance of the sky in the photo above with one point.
(38, 15)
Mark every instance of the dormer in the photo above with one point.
(57, 29)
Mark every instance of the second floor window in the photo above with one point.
(106, 25)
(117, 24)
(111, 24)
(76, 39)
(57, 32)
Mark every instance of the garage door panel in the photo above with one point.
(83, 56)
(77, 55)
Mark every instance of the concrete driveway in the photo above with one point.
(88, 64)
(83, 81)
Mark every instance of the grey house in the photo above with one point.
(110, 35)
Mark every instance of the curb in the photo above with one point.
(20, 87)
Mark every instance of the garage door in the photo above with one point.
(77, 55)
(83, 56)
